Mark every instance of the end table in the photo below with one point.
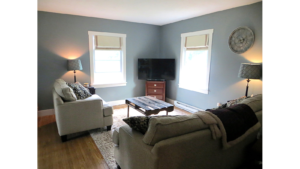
(92, 90)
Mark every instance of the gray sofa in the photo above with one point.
(80, 115)
(184, 142)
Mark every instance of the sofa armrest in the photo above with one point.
(79, 115)
(132, 152)
(115, 137)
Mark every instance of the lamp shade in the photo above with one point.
(74, 65)
(250, 71)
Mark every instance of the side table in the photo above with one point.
(92, 90)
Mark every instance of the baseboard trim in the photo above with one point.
(116, 102)
(46, 112)
(171, 101)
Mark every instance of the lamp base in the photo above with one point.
(246, 94)
(74, 76)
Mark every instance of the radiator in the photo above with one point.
(186, 107)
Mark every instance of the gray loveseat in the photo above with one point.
(184, 142)
(80, 115)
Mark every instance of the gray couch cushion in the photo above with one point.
(69, 94)
(164, 128)
(59, 84)
(254, 102)
(63, 90)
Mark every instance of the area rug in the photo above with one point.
(103, 138)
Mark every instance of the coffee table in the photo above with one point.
(148, 105)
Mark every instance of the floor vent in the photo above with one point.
(186, 107)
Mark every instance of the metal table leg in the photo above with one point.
(128, 111)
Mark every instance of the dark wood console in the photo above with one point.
(156, 89)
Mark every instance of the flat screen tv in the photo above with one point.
(156, 69)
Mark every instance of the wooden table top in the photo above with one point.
(149, 105)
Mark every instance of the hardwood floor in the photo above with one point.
(45, 120)
(79, 152)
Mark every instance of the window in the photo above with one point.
(195, 60)
(107, 59)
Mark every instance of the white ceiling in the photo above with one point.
(156, 12)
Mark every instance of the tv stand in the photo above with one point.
(156, 89)
(156, 80)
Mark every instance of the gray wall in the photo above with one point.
(223, 83)
(66, 36)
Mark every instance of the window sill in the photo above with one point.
(194, 90)
(109, 85)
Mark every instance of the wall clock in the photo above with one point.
(241, 39)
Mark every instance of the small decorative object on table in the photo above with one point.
(86, 85)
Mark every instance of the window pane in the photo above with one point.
(195, 60)
(107, 66)
(195, 69)
(107, 55)
(108, 78)
(108, 61)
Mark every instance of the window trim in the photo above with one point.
(92, 54)
(182, 54)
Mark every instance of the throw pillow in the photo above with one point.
(141, 123)
(80, 91)
(138, 123)
(69, 94)
(235, 101)
(59, 84)
(86, 90)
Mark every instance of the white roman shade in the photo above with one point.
(107, 42)
(199, 41)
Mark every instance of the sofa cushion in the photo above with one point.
(138, 123)
(80, 91)
(171, 126)
(69, 94)
(63, 90)
(59, 84)
(254, 102)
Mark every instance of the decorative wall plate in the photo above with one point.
(241, 39)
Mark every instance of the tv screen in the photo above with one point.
(156, 69)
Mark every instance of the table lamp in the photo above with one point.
(250, 71)
(74, 65)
